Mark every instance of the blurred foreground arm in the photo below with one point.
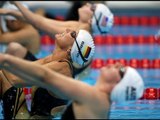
(40, 22)
(62, 86)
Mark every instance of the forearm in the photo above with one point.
(18, 36)
(21, 68)
(28, 15)
(38, 21)
(50, 26)
(16, 14)
(4, 39)
(31, 73)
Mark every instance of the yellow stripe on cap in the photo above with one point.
(86, 51)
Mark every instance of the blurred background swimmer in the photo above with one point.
(96, 18)
(17, 31)
(116, 83)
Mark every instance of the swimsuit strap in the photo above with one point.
(20, 91)
(70, 65)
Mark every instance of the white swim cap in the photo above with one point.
(102, 20)
(130, 87)
(80, 56)
(10, 6)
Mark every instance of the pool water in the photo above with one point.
(140, 109)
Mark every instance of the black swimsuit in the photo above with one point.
(43, 102)
(9, 102)
(29, 56)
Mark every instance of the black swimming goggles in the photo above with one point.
(93, 8)
(122, 71)
(73, 34)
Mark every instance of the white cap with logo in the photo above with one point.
(83, 50)
(102, 20)
(130, 87)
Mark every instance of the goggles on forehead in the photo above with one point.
(122, 71)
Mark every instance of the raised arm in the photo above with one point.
(14, 13)
(48, 25)
(60, 85)
(20, 36)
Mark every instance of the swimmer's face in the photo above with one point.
(65, 40)
(112, 73)
(14, 25)
(85, 12)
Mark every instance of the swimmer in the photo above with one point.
(79, 49)
(95, 18)
(116, 83)
(16, 30)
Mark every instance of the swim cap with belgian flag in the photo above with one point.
(83, 48)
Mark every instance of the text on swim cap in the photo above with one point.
(130, 93)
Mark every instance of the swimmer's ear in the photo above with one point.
(69, 51)
(90, 21)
